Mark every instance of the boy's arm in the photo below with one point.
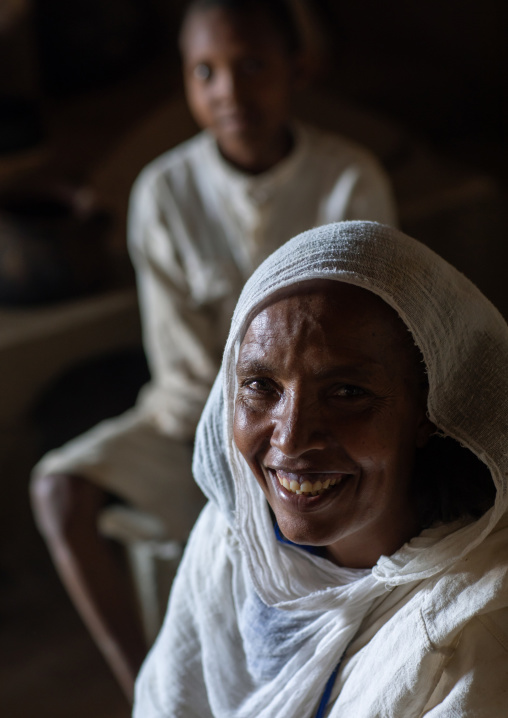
(362, 190)
(181, 336)
(372, 197)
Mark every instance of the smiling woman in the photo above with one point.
(352, 557)
(330, 400)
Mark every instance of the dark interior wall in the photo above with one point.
(440, 66)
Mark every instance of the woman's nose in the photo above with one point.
(298, 429)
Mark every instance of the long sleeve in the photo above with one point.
(474, 682)
(361, 191)
(180, 330)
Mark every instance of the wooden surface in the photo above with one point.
(37, 345)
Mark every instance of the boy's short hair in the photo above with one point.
(278, 11)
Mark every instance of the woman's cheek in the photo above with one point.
(251, 429)
(244, 427)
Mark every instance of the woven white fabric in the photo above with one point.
(254, 627)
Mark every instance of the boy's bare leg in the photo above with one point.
(93, 569)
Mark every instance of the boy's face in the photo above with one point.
(239, 79)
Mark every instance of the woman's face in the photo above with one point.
(329, 412)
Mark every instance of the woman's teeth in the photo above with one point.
(306, 487)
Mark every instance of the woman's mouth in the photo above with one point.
(310, 485)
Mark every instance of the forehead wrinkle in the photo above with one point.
(285, 325)
(305, 332)
(253, 366)
(364, 368)
(279, 325)
(252, 353)
(253, 359)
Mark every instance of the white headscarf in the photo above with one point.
(272, 621)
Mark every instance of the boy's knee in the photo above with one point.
(63, 504)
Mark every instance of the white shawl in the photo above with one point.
(255, 627)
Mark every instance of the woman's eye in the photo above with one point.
(202, 71)
(349, 391)
(258, 385)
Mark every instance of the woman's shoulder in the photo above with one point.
(475, 586)
(473, 680)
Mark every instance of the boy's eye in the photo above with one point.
(202, 71)
(251, 66)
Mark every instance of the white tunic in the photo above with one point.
(197, 229)
(436, 647)
(256, 627)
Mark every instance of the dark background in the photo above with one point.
(76, 78)
(438, 67)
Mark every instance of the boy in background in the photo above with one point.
(201, 218)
